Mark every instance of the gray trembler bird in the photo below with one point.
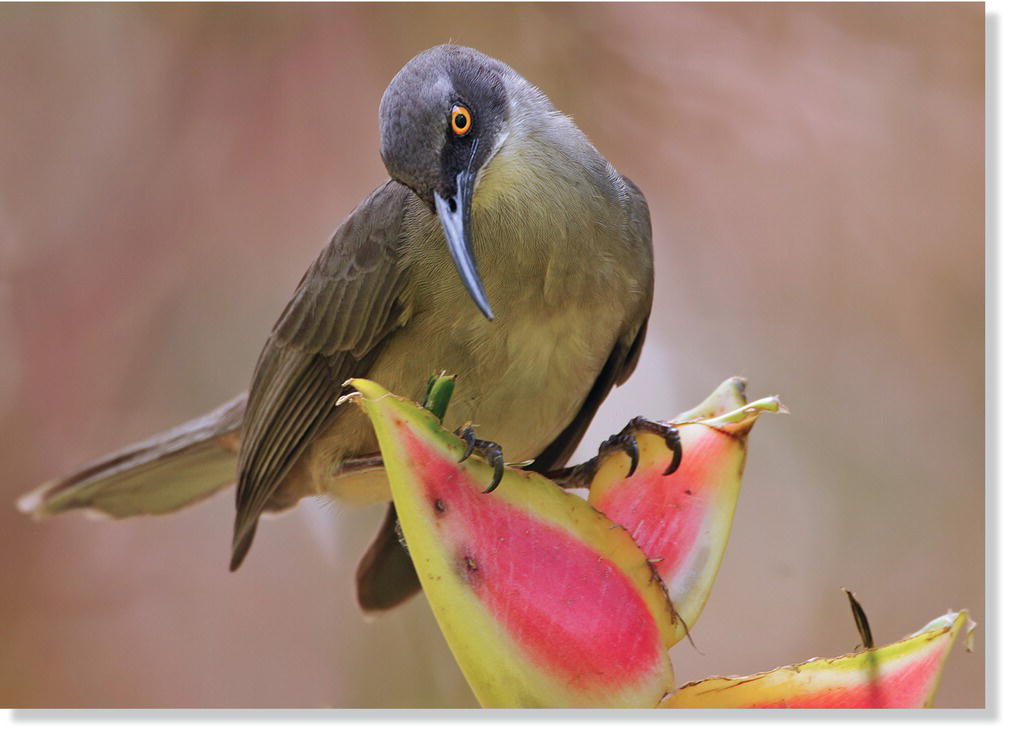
(494, 194)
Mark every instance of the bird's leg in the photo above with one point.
(579, 476)
(492, 453)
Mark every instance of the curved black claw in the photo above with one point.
(675, 445)
(627, 442)
(492, 453)
(663, 430)
(494, 456)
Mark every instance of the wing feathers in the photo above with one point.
(345, 305)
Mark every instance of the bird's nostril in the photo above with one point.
(452, 202)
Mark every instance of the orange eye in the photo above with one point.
(460, 120)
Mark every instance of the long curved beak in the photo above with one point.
(455, 216)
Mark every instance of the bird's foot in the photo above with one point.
(492, 453)
(580, 476)
(663, 430)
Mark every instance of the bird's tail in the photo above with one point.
(156, 476)
(386, 576)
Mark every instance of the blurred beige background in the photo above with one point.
(816, 180)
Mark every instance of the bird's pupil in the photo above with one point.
(460, 121)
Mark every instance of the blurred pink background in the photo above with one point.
(816, 181)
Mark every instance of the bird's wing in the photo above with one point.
(638, 235)
(346, 303)
(626, 353)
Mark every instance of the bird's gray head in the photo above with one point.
(441, 120)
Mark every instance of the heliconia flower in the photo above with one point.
(682, 521)
(904, 674)
(547, 602)
(544, 601)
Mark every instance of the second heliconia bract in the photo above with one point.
(682, 520)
